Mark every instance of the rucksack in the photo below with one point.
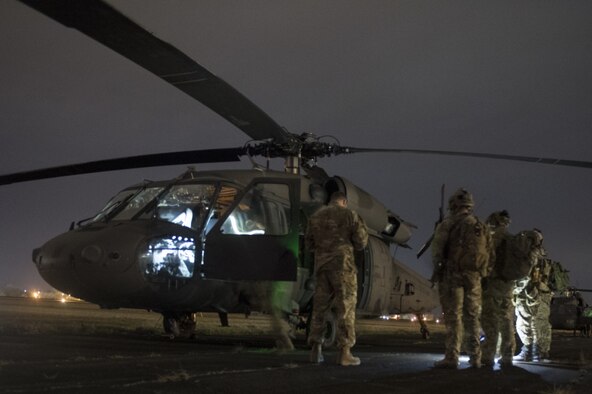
(470, 245)
(519, 255)
(558, 277)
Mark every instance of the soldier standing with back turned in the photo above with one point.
(498, 308)
(461, 251)
(333, 233)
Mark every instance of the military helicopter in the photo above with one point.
(569, 311)
(204, 240)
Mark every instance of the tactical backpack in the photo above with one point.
(470, 245)
(558, 277)
(520, 254)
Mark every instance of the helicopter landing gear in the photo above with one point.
(423, 329)
(179, 324)
(223, 316)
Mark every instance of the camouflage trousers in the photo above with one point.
(497, 320)
(526, 309)
(460, 297)
(335, 290)
(543, 324)
(532, 321)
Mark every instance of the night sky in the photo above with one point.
(506, 77)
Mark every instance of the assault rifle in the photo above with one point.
(427, 244)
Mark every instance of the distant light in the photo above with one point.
(62, 300)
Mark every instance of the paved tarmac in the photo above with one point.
(73, 357)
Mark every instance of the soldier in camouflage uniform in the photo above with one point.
(273, 298)
(533, 299)
(542, 345)
(458, 269)
(332, 234)
(497, 315)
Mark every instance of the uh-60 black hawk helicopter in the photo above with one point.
(205, 240)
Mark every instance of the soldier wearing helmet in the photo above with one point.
(533, 296)
(460, 252)
(498, 308)
(499, 220)
(461, 199)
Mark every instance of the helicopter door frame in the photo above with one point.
(235, 251)
(365, 263)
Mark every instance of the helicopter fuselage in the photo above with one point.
(210, 241)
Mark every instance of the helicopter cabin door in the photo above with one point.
(257, 239)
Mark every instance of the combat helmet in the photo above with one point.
(538, 235)
(499, 219)
(460, 199)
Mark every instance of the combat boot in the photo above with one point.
(345, 358)
(447, 363)
(536, 355)
(525, 354)
(544, 357)
(475, 362)
(316, 354)
(488, 362)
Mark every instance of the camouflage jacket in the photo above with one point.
(500, 237)
(448, 248)
(496, 285)
(537, 282)
(333, 233)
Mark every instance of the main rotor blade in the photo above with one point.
(126, 163)
(108, 26)
(544, 160)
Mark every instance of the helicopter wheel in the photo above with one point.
(179, 325)
(425, 333)
(423, 328)
(170, 326)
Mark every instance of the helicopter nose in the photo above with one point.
(36, 252)
(54, 266)
(92, 253)
(89, 263)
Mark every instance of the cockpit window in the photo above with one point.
(264, 209)
(186, 205)
(113, 204)
(226, 197)
(138, 202)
